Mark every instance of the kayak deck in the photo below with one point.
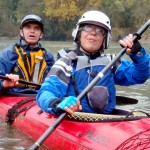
(107, 134)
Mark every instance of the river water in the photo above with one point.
(12, 139)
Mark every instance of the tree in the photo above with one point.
(61, 16)
(68, 9)
(8, 17)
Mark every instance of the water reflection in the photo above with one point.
(12, 139)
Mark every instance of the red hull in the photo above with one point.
(72, 134)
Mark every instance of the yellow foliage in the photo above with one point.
(68, 9)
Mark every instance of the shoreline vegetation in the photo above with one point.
(60, 17)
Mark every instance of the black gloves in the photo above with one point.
(135, 48)
(128, 42)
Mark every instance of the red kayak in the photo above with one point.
(122, 130)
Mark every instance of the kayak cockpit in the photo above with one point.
(117, 115)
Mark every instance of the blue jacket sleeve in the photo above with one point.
(136, 72)
(54, 88)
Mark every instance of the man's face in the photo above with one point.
(32, 33)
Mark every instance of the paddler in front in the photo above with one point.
(75, 69)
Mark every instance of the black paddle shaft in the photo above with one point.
(22, 81)
(100, 75)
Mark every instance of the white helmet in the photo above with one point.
(97, 18)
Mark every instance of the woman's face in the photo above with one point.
(91, 38)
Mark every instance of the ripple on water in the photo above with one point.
(13, 139)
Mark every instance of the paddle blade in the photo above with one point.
(121, 100)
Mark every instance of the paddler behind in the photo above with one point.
(27, 59)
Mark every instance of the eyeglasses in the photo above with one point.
(98, 30)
